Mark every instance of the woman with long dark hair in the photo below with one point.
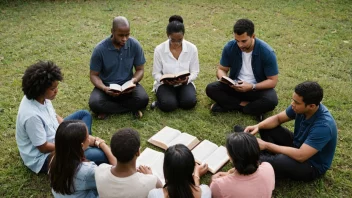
(249, 177)
(71, 174)
(182, 175)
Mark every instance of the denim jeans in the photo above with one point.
(92, 153)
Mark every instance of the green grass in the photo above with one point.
(312, 40)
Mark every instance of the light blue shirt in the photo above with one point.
(36, 124)
(84, 182)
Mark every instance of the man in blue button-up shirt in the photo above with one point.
(252, 63)
(308, 152)
(112, 62)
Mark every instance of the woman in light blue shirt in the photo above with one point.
(71, 174)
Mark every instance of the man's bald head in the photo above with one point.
(120, 21)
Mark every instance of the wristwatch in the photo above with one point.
(253, 87)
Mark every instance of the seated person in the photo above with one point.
(249, 177)
(252, 63)
(307, 153)
(37, 120)
(112, 62)
(70, 173)
(182, 175)
(173, 56)
(123, 180)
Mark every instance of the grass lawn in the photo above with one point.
(312, 40)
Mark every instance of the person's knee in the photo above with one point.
(94, 105)
(142, 101)
(271, 103)
(167, 106)
(210, 89)
(188, 104)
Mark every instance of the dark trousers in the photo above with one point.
(170, 97)
(284, 166)
(260, 101)
(100, 102)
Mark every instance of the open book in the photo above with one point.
(154, 160)
(181, 75)
(211, 154)
(121, 88)
(228, 80)
(168, 136)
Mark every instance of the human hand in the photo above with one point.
(111, 92)
(200, 170)
(262, 144)
(182, 80)
(145, 170)
(91, 140)
(252, 129)
(169, 82)
(242, 86)
(98, 142)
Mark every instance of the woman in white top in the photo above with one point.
(175, 56)
(182, 175)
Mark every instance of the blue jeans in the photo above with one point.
(92, 153)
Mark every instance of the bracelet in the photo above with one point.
(196, 176)
(97, 143)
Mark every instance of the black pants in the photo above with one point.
(284, 166)
(260, 101)
(100, 102)
(170, 97)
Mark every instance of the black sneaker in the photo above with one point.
(259, 118)
(154, 105)
(238, 129)
(217, 108)
(137, 114)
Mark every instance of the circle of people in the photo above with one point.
(81, 165)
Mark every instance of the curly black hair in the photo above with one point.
(311, 92)
(39, 77)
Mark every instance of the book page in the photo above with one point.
(217, 159)
(203, 150)
(228, 80)
(183, 74)
(116, 87)
(147, 157)
(154, 160)
(164, 136)
(185, 139)
(127, 85)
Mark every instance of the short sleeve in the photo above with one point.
(225, 59)
(139, 58)
(156, 193)
(290, 113)
(215, 190)
(90, 176)
(34, 127)
(318, 137)
(206, 192)
(96, 62)
(270, 64)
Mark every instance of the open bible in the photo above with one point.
(181, 75)
(209, 153)
(228, 80)
(121, 88)
(168, 136)
(155, 160)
